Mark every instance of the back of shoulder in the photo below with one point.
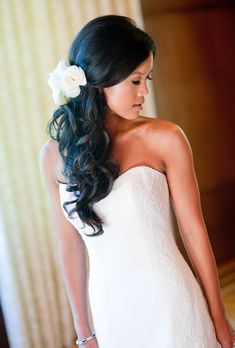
(49, 159)
(49, 150)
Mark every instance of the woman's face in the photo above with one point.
(126, 98)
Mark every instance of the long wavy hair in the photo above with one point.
(108, 49)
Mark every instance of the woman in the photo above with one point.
(111, 175)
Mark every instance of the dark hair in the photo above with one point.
(108, 49)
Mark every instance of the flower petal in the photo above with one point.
(65, 81)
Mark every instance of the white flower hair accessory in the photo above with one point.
(65, 81)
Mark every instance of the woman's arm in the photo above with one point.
(71, 247)
(185, 198)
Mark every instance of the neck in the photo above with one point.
(117, 124)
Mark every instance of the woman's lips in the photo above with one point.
(138, 106)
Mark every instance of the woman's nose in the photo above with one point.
(143, 90)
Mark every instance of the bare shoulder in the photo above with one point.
(50, 164)
(50, 161)
(50, 148)
(163, 131)
(165, 139)
(49, 152)
(160, 127)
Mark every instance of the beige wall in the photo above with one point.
(194, 82)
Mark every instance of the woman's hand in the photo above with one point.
(224, 332)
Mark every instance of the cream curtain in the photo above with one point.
(34, 36)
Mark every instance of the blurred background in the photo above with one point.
(193, 86)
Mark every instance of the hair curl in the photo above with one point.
(108, 49)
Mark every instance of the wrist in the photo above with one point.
(83, 329)
(84, 340)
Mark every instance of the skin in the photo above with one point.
(130, 91)
(162, 145)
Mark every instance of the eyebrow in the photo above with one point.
(140, 73)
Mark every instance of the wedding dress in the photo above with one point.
(142, 293)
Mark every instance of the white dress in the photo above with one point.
(142, 293)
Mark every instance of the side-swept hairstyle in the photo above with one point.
(108, 48)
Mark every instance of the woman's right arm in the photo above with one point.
(71, 247)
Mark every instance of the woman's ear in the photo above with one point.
(101, 90)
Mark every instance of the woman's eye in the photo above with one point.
(137, 82)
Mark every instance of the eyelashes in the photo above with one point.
(137, 82)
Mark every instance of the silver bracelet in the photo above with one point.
(86, 339)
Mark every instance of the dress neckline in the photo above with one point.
(139, 167)
(131, 170)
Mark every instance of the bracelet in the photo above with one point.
(86, 339)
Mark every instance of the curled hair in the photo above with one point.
(108, 49)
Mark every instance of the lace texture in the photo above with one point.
(142, 293)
